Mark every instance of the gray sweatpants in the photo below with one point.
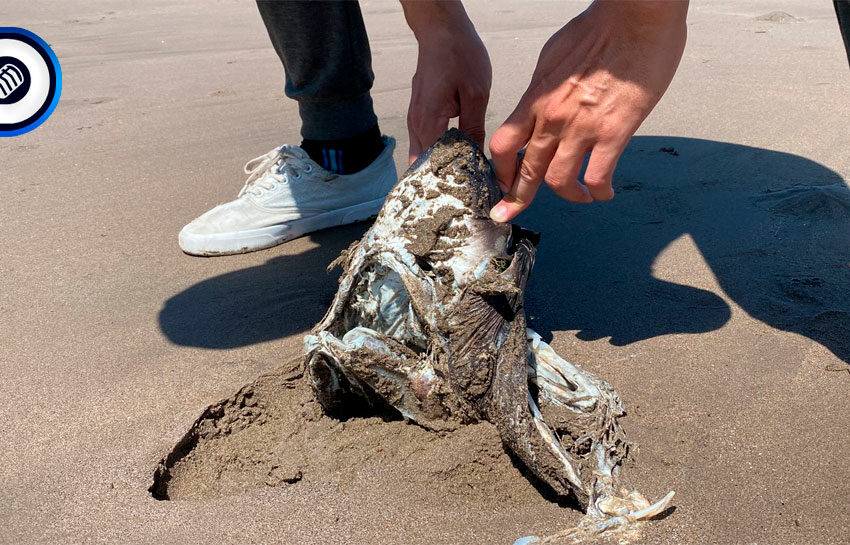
(328, 64)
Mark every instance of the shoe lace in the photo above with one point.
(279, 166)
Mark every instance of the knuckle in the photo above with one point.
(565, 190)
(609, 132)
(556, 182)
(549, 119)
(586, 125)
(552, 115)
(518, 201)
(606, 132)
(500, 143)
(528, 172)
(595, 181)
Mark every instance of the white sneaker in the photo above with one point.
(288, 195)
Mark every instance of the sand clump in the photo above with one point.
(778, 17)
(272, 433)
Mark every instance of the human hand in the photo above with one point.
(596, 80)
(453, 74)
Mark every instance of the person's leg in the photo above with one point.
(328, 64)
(842, 10)
(343, 169)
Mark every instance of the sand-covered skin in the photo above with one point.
(711, 292)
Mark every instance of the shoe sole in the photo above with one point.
(242, 242)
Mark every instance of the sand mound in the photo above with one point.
(273, 433)
(809, 202)
(778, 17)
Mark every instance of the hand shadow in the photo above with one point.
(773, 227)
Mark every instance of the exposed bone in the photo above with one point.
(569, 386)
(590, 527)
(553, 443)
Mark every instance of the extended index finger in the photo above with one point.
(534, 163)
(506, 142)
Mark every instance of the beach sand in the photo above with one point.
(713, 293)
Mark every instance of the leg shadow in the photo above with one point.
(285, 295)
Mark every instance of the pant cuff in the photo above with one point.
(336, 119)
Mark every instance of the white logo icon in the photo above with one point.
(11, 78)
(30, 81)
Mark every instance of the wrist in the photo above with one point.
(429, 19)
(653, 13)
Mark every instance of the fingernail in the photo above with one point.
(499, 213)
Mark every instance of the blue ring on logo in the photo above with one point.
(57, 69)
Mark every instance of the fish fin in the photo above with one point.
(488, 308)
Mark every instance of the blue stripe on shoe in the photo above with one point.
(333, 161)
(339, 161)
(325, 158)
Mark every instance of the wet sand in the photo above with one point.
(713, 293)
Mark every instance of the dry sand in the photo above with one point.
(713, 293)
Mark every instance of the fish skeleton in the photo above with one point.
(429, 319)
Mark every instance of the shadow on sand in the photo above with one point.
(285, 295)
(773, 227)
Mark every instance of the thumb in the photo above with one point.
(506, 142)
